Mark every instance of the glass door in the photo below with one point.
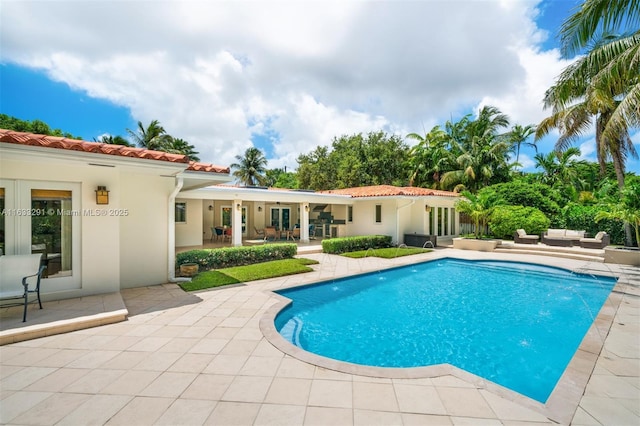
(281, 218)
(44, 217)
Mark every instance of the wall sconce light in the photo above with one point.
(427, 209)
(259, 208)
(306, 208)
(238, 207)
(210, 208)
(102, 195)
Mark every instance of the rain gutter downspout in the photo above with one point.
(171, 210)
(398, 218)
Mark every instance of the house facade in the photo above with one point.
(49, 195)
(108, 217)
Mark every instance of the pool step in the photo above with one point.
(552, 253)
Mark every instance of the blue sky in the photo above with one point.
(284, 86)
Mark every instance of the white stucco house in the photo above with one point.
(110, 217)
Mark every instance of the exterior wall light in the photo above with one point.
(306, 208)
(238, 207)
(259, 208)
(210, 208)
(427, 209)
(102, 195)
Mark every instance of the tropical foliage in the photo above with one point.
(505, 220)
(35, 126)
(356, 160)
(156, 138)
(251, 167)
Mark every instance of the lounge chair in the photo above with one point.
(601, 240)
(521, 237)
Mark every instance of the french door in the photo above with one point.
(43, 217)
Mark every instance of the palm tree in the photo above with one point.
(114, 140)
(518, 136)
(429, 158)
(151, 137)
(575, 99)
(558, 167)
(481, 152)
(250, 168)
(478, 207)
(180, 146)
(614, 61)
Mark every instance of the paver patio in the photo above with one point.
(201, 358)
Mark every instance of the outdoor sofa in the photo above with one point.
(562, 237)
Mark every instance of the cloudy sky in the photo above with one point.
(285, 76)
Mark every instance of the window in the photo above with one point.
(51, 229)
(378, 213)
(349, 213)
(181, 213)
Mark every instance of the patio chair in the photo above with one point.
(601, 240)
(17, 276)
(216, 231)
(270, 233)
(521, 237)
(259, 232)
(295, 234)
(227, 233)
(312, 232)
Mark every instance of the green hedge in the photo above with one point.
(236, 256)
(581, 217)
(505, 220)
(347, 244)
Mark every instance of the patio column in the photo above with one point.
(304, 222)
(236, 223)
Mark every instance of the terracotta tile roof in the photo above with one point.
(22, 138)
(389, 190)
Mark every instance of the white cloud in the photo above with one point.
(301, 73)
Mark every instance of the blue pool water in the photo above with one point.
(515, 324)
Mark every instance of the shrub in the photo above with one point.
(236, 256)
(582, 217)
(347, 244)
(506, 219)
(520, 193)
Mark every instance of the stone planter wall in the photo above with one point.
(622, 256)
(478, 245)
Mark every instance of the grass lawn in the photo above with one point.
(387, 253)
(241, 274)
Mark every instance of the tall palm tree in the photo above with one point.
(250, 168)
(558, 168)
(151, 137)
(480, 149)
(614, 62)
(518, 136)
(429, 158)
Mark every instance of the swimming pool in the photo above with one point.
(515, 324)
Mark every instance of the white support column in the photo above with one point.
(304, 222)
(236, 223)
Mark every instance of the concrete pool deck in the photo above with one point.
(201, 358)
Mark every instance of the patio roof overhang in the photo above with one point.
(219, 192)
(194, 180)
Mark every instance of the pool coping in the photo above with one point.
(561, 405)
